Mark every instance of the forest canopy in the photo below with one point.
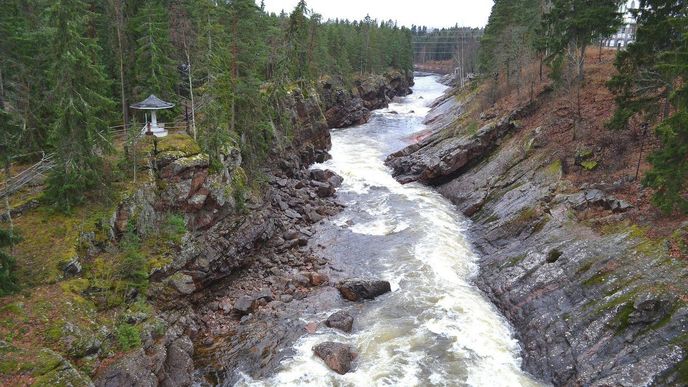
(69, 70)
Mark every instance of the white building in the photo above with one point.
(626, 34)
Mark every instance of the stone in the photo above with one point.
(183, 283)
(197, 201)
(318, 279)
(265, 294)
(337, 356)
(225, 305)
(356, 289)
(311, 327)
(292, 214)
(243, 305)
(648, 308)
(291, 235)
(301, 279)
(286, 298)
(341, 320)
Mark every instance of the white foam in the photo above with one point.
(435, 328)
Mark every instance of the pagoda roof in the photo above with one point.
(152, 103)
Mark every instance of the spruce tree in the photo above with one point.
(155, 69)
(8, 280)
(573, 24)
(653, 85)
(79, 132)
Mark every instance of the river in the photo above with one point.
(435, 327)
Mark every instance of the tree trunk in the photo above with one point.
(667, 103)
(581, 64)
(125, 111)
(7, 195)
(235, 70)
(191, 93)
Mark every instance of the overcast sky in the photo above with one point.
(431, 13)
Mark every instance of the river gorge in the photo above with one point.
(435, 327)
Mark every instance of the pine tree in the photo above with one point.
(78, 133)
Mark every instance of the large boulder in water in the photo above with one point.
(357, 289)
(337, 356)
(341, 320)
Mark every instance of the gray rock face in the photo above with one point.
(341, 320)
(337, 356)
(363, 289)
(588, 307)
(437, 157)
(345, 107)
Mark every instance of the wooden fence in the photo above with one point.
(36, 171)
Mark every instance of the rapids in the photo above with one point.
(435, 328)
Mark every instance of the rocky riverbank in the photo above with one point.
(346, 106)
(593, 298)
(229, 301)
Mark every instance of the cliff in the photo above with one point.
(591, 277)
(185, 270)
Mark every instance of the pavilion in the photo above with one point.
(153, 103)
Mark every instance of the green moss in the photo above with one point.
(589, 165)
(584, 269)
(554, 169)
(15, 308)
(526, 215)
(514, 261)
(472, 127)
(54, 331)
(173, 228)
(622, 316)
(584, 154)
(77, 285)
(681, 371)
(178, 142)
(239, 187)
(598, 279)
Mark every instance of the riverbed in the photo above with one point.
(435, 327)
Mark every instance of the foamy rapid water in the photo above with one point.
(435, 328)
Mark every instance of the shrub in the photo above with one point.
(128, 336)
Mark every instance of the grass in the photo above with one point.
(514, 261)
(554, 169)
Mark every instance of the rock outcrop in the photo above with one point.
(254, 240)
(590, 305)
(346, 106)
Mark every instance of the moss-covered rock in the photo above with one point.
(178, 142)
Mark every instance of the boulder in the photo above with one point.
(183, 283)
(341, 320)
(243, 305)
(337, 356)
(359, 289)
(318, 279)
(326, 176)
